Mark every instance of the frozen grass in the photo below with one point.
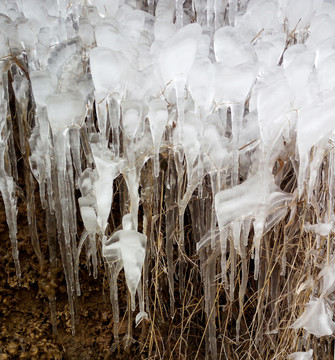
(201, 299)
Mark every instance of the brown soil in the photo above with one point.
(25, 326)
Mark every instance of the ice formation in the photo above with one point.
(300, 355)
(127, 246)
(230, 92)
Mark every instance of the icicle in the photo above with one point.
(83, 237)
(179, 88)
(232, 258)
(133, 182)
(213, 177)
(232, 11)
(223, 245)
(244, 281)
(128, 246)
(258, 228)
(128, 338)
(236, 233)
(87, 205)
(115, 269)
(74, 137)
(8, 189)
(151, 4)
(102, 120)
(219, 5)
(158, 117)
(63, 217)
(179, 13)
(210, 12)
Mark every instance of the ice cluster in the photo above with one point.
(234, 92)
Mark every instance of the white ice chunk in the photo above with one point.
(127, 245)
(178, 54)
(327, 276)
(131, 118)
(322, 229)
(255, 199)
(322, 27)
(298, 64)
(229, 48)
(158, 117)
(214, 149)
(107, 68)
(244, 200)
(85, 32)
(301, 355)
(163, 30)
(326, 71)
(261, 16)
(26, 36)
(105, 7)
(201, 84)
(44, 84)
(108, 169)
(317, 318)
(108, 36)
(310, 131)
(88, 215)
(233, 84)
(140, 316)
(299, 13)
(65, 110)
(273, 104)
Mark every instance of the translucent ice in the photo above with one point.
(158, 117)
(246, 201)
(237, 84)
(65, 110)
(317, 318)
(44, 84)
(309, 132)
(229, 48)
(107, 171)
(299, 355)
(107, 68)
(207, 109)
(127, 245)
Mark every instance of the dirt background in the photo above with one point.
(25, 326)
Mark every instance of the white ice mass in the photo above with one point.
(226, 93)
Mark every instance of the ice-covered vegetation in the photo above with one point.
(214, 121)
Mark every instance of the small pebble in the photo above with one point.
(12, 348)
(33, 350)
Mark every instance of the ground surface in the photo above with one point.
(25, 326)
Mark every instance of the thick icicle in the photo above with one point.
(128, 246)
(8, 188)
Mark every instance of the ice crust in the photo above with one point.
(227, 98)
